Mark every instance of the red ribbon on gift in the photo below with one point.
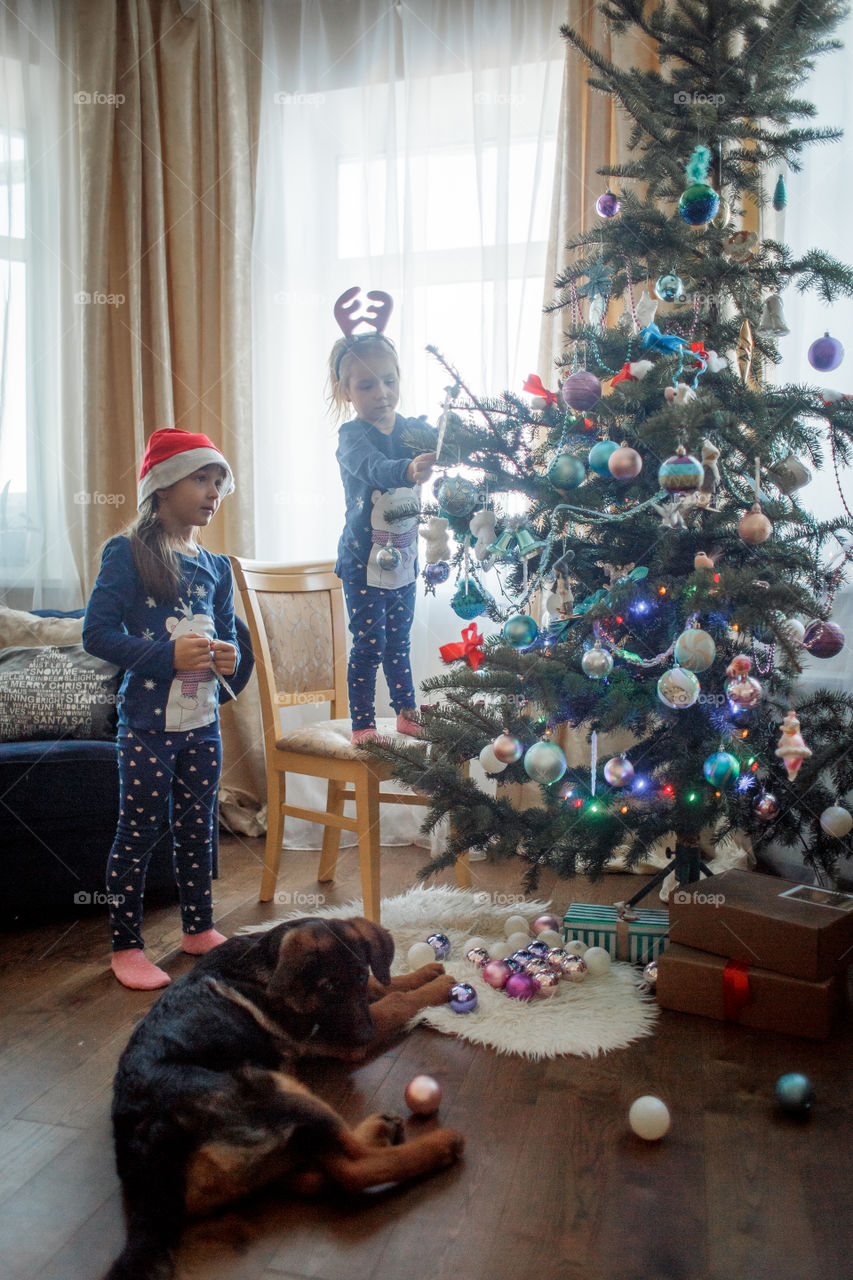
(624, 375)
(736, 991)
(470, 648)
(534, 386)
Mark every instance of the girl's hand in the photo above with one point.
(224, 657)
(192, 652)
(420, 468)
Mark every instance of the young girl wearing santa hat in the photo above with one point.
(162, 609)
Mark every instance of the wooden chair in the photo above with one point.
(297, 624)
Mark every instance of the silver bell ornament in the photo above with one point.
(597, 662)
(772, 323)
(619, 772)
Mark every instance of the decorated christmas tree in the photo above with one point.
(655, 571)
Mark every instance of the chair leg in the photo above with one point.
(275, 833)
(367, 827)
(331, 835)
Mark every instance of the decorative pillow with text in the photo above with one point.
(56, 692)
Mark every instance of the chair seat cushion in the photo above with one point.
(332, 738)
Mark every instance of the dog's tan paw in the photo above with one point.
(428, 972)
(438, 990)
(449, 1145)
(382, 1130)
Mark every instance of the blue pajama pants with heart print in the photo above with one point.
(380, 621)
(164, 777)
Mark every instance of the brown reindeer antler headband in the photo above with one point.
(376, 316)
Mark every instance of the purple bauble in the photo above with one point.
(540, 949)
(463, 998)
(512, 964)
(826, 354)
(524, 956)
(823, 639)
(608, 205)
(767, 807)
(497, 973)
(435, 574)
(581, 390)
(440, 944)
(521, 987)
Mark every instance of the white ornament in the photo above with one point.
(649, 1118)
(489, 760)
(420, 954)
(518, 941)
(794, 629)
(597, 309)
(684, 393)
(434, 534)
(576, 947)
(482, 526)
(639, 368)
(836, 821)
(646, 310)
(516, 924)
(597, 961)
(476, 941)
(551, 937)
(716, 363)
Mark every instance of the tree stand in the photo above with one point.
(685, 861)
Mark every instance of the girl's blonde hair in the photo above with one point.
(341, 359)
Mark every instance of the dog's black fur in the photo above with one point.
(203, 1109)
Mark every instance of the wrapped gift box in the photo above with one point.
(695, 982)
(801, 930)
(639, 940)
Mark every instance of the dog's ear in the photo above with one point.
(380, 947)
(294, 977)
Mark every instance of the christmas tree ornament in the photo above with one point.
(597, 310)
(739, 245)
(463, 998)
(599, 457)
(700, 202)
(566, 471)
(721, 768)
(681, 473)
(575, 947)
(434, 575)
(516, 924)
(695, 649)
(678, 688)
(836, 821)
(497, 974)
(512, 964)
(520, 987)
(544, 397)
(723, 215)
(474, 941)
(789, 474)
(423, 1095)
(489, 760)
(556, 957)
(826, 354)
(795, 1094)
(544, 762)
(597, 961)
(538, 947)
(767, 807)
(508, 750)
(581, 390)
(823, 639)
(551, 937)
(544, 923)
(469, 600)
(573, 968)
(546, 983)
(482, 528)
(745, 348)
(649, 1118)
(702, 560)
(619, 772)
(652, 337)
(625, 463)
(597, 662)
(742, 690)
(669, 287)
(793, 629)
(470, 648)
(754, 527)
(716, 363)
(772, 323)
(780, 194)
(440, 944)
(646, 310)
(419, 954)
(501, 548)
(457, 496)
(792, 750)
(437, 540)
(528, 545)
(608, 205)
(683, 393)
(650, 975)
(535, 966)
(388, 558)
(522, 956)
(520, 631)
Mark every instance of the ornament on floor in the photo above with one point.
(423, 1095)
(469, 600)
(463, 998)
(695, 649)
(780, 194)
(470, 648)
(767, 807)
(823, 639)
(437, 540)
(419, 954)
(669, 287)
(795, 1094)
(608, 205)
(649, 1118)
(625, 463)
(507, 749)
(792, 750)
(597, 662)
(836, 821)
(720, 768)
(742, 690)
(681, 473)
(520, 631)
(478, 956)
(520, 986)
(619, 772)
(546, 983)
(566, 472)
(544, 923)
(516, 924)
(388, 559)
(573, 968)
(678, 688)
(497, 974)
(739, 245)
(575, 947)
(544, 397)
(440, 944)
(789, 474)
(826, 354)
(745, 348)
(754, 527)
(581, 390)
(597, 961)
(700, 202)
(434, 575)
(544, 762)
(599, 457)
(482, 528)
(489, 760)
(650, 975)
(538, 947)
(772, 323)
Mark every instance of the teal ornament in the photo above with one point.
(695, 649)
(681, 473)
(669, 288)
(469, 602)
(544, 762)
(520, 631)
(699, 204)
(780, 194)
(566, 471)
(599, 457)
(457, 496)
(721, 768)
(795, 1094)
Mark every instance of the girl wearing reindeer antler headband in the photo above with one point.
(377, 552)
(162, 609)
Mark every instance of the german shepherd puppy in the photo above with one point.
(205, 1109)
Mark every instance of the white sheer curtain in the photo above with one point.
(410, 148)
(36, 307)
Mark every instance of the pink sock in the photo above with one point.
(198, 944)
(363, 735)
(134, 971)
(405, 724)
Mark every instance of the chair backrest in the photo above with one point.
(297, 624)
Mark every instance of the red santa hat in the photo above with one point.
(172, 454)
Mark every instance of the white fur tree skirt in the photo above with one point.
(586, 1019)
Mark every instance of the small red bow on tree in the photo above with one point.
(471, 647)
(698, 349)
(534, 386)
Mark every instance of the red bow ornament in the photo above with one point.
(471, 647)
(624, 375)
(534, 386)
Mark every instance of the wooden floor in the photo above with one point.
(553, 1186)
